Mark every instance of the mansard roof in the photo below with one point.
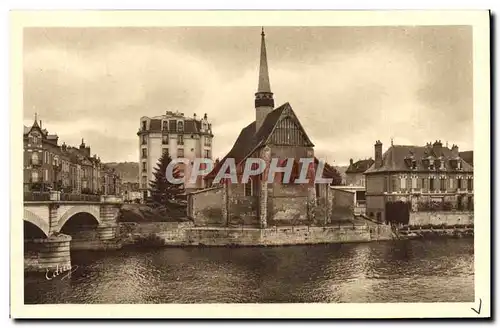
(394, 159)
(467, 156)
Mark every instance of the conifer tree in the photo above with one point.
(162, 190)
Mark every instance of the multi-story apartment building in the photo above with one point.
(176, 135)
(426, 177)
(48, 165)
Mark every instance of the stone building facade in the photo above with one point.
(355, 173)
(48, 165)
(275, 134)
(430, 177)
(176, 135)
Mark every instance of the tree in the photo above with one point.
(163, 190)
(333, 173)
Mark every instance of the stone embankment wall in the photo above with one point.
(185, 234)
(441, 218)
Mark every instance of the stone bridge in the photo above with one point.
(55, 222)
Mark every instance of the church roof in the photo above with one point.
(248, 141)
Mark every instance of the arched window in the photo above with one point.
(180, 126)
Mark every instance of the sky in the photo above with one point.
(349, 86)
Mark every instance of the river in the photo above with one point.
(440, 270)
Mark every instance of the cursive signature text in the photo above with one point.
(66, 269)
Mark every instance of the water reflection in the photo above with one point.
(402, 271)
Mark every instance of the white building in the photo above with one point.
(179, 136)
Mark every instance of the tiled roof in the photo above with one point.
(248, 140)
(360, 166)
(393, 159)
(467, 156)
(191, 125)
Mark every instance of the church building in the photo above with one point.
(275, 133)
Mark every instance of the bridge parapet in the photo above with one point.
(111, 199)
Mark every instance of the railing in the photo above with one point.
(37, 196)
(46, 196)
(80, 198)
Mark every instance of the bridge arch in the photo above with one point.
(34, 219)
(72, 211)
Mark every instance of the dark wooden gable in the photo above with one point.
(288, 131)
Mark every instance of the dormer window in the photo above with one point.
(459, 165)
(413, 164)
(431, 164)
(180, 126)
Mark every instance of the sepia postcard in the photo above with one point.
(250, 164)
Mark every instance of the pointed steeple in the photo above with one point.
(264, 85)
(264, 101)
(35, 124)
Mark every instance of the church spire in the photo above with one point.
(264, 85)
(264, 101)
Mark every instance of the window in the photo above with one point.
(459, 183)
(470, 184)
(423, 183)
(414, 183)
(459, 165)
(208, 142)
(180, 140)
(164, 125)
(46, 157)
(403, 183)
(143, 125)
(451, 183)
(34, 138)
(144, 140)
(207, 153)
(431, 184)
(34, 158)
(165, 151)
(46, 175)
(180, 152)
(441, 165)
(144, 167)
(394, 185)
(443, 184)
(248, 188)
(414, 164)
(34, 176)
(180, 126)
(144, 182)
(144, 153)
(165, 140)
(386, 184)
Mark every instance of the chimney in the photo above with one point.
(378, 154)
(205, 116)
(40, 124)
(454, 150)
(194, 115)
(351, 161)
(437, 147)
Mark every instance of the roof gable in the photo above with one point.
(286, 129)
(360, 166)
(249, 141)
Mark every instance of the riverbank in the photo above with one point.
(186, 234)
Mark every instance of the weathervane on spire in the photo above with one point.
(36, 116)
(263, 34)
